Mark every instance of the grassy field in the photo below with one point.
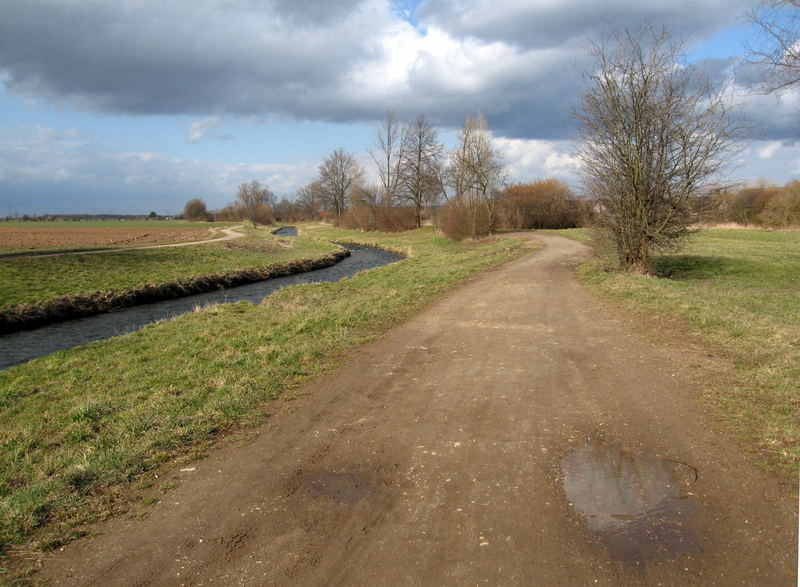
(30, 280)
(77, 427)
(741, 290)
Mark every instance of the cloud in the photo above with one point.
(38, 162)
(519, 61)
(531, 159)
(549, 23)
(199, 129)
(768, 149)
(773, 161)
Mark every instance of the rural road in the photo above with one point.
(518, 432)
(230, 234)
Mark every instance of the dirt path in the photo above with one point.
(438, 456)
(230, 234)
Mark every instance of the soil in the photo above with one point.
(23, 240)
(519, 431)
(118, 238)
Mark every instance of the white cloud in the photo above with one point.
(200, 128)
(531, 159)
(768, 150)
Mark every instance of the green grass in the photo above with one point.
(29, 280)
(741, 290)
(80, 424)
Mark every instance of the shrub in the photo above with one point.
(783, 209)
(195, 211)
(461, 218)
(543, 204)
(378, 218)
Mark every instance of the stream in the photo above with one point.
(18, 347)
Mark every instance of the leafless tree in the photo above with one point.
(256, 201)
(654, 132)
(338, 176)
(388, 154)
(421, 166)
(777, 46)
(476, 173)
(309, 200)
(195, 211)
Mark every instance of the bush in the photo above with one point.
(231, 213)
(378, 218)
(543, 204)
(195, 211)
(460, 219)
(783, 209)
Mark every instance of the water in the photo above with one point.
(19, 347)
(286, 231)
(639, 507)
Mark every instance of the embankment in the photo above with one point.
(23, 316)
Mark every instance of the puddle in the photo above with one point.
(341, 488)
(638, 506)
(286, 231)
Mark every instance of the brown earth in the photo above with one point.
(40, 238)
(517, 432)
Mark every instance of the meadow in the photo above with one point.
(80, 428)
(34, 280)
(740, 290)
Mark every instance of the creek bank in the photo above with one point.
(24, 316)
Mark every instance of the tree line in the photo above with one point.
(654, 134)
(465, 191)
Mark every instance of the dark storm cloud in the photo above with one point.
(164, 58)
(518, 61)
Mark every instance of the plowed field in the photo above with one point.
(15, 239)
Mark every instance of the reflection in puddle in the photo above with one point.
(342, 488)
(638, 506)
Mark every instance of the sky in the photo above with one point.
(129, 106)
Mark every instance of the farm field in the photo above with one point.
(28, 237)
(32, 280)
(741, 290)
(79, 426)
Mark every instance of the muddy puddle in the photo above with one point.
(638, 506)
(340, 487)
(25, 345)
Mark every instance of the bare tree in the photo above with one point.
(653, 133)
(777, 46)
(421, 167)
(195, 211)
(309, 200)
(256, 201)
(338, 176)
(476, 173)
(388, 154)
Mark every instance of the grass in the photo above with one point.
(31, 280)
(80, 425)
(741, 290)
